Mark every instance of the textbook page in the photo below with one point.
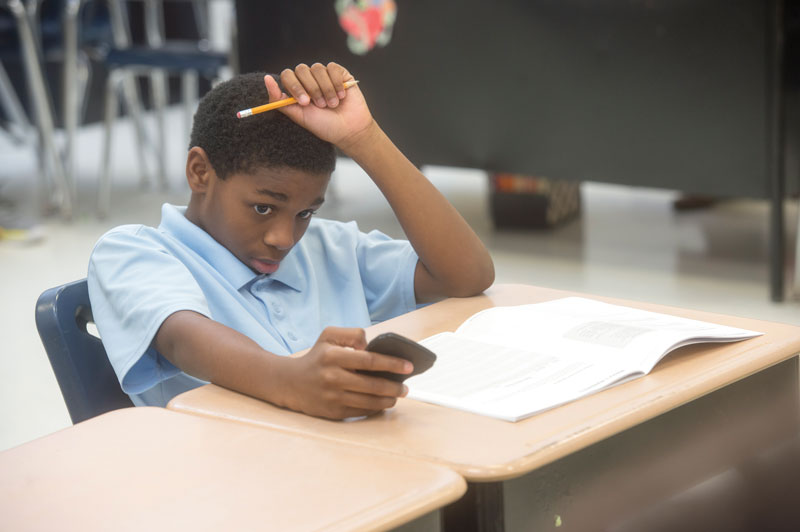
(637, 338)
(512, 362)
(502, 381)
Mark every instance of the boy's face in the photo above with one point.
(260, 216)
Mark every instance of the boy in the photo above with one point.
(224, 289)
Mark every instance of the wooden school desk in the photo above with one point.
(152, 469)
(589, 464)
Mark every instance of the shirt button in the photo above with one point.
(292, 337)
(277, 309)
(258, 286)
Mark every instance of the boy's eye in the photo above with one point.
(262, 209)
(306, 214)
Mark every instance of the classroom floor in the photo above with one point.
(628, 243)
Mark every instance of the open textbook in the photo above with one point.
(512, 362)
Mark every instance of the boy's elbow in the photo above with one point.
(480, 279)
(486, 278)
(465, 282)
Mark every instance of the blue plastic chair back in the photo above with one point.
(85, 376)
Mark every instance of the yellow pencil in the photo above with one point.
(280, 103)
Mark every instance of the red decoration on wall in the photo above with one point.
(368, 23)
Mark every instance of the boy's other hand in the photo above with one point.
(324, 381)
(331, 112)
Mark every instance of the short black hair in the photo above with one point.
(266, 140)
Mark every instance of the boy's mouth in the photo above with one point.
(264, 266)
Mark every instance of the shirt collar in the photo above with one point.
(174, 221)
(290, 271)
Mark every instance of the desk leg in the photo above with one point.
(776, 145)
(479, 510)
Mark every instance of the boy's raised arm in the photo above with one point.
(453, 261)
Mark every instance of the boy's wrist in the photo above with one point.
(360, 141)
(279, 391)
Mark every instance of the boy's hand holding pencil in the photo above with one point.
(244, 113)
(326, 101)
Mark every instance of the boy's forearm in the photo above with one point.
(450, 252)
(208, 350)
(323, 382)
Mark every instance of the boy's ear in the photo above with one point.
(199, 172)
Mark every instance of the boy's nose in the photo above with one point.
(280, 235)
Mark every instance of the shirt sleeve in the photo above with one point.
(134, 285)
(387, 273)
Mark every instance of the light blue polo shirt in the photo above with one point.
(335, 276)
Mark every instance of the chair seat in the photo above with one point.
(171, 58)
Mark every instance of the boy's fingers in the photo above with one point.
(322, 84)
(344, 336)
(273, 90)
(368, 361)
(337, 75)
(292, 84)
(366, 402)
(325, 83)
(370, 385)
(304, 76)
(378, 387)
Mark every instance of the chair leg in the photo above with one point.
(130, 90)
(133, 106)
(154, 34)
(200, 10)
(48, 199)
(190, 85)
(111, 109)
(20, 127)
(83, 82)
(41, 101)
(158, 81)
(70, 90)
